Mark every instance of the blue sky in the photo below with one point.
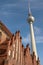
(14, 14)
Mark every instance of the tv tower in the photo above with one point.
(33, 43)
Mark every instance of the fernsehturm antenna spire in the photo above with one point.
(30, 21)
(29, 9)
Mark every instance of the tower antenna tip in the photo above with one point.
(29, 8)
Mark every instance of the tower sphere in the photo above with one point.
(31, 19)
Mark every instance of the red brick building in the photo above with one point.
(12, 51)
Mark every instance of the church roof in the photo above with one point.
(4, 28)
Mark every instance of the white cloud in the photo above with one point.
(26, 39)
(37, 30)
(9, 8)
(38, 37)
(7, 13)
(37, 5)
(10, 5)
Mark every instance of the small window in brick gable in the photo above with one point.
(0, 35)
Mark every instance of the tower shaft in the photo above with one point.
(33, 43)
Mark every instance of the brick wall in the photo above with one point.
(17, 54)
